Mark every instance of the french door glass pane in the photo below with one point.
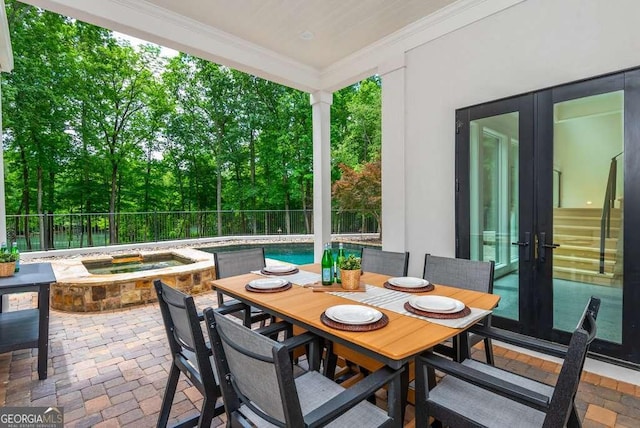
(493, 175)
(588, 144)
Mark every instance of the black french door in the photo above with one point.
(544, 182)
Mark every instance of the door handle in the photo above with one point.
(525, 245)
(542, 244)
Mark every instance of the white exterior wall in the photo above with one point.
(532, 45)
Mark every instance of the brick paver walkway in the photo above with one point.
(110, 370)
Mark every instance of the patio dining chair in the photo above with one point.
(474, 394)
(469, 275)
(385, 262)
(232, 263)
(260, 389)
(190, 356)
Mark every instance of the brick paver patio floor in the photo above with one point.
(110, 370)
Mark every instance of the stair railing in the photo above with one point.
(558, 189)
(609, 203)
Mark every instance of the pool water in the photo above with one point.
(136, 264)
(295, 253)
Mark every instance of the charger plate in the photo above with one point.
(382, 322)
(268, 272)
(428, 287)
(268, 290)
(438, 315)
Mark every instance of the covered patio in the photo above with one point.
(433, 57)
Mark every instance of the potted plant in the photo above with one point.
(350, 271)
(7, 264)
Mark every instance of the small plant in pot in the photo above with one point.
(7, 264)
(350, 270)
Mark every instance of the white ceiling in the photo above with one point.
(352, 39)
(339, 27)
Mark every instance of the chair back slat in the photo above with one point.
(385, 262)
(251, 356)
(180, 324)
(566, 388)
(231, 263)
(461, 273)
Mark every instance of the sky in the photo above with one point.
(164, 51)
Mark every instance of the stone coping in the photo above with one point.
(73, 272)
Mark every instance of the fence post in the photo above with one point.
(43, 238)
(155, 225)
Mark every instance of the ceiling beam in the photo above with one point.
(149, 22)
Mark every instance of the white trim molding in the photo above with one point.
(6, 53)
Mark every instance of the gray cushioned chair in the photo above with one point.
(232, 263)
(467, 274)
(259, 386)
(384, 262)
(473, 394)
(190, 356)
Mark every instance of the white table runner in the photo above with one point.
(394, 301)
(383, 298)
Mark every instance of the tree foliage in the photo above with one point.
(359, 189)
(95, 124)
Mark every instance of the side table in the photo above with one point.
(28, 328)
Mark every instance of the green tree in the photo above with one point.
(123, 89)
(360, 190)
(37, 106)
(357, 124)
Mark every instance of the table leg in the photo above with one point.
(395, 401)
(404, 391)
(43, 331)
(462, 347)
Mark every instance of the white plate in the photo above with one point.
(267, 283)
(408, 282)
(353, 314)
(438, 304)
(279, 268)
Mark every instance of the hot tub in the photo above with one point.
(127, 280)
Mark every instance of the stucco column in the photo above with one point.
(394, 228)
(321, 108)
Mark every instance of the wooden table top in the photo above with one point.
(397, 343)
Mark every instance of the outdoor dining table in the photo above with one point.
(395, 345)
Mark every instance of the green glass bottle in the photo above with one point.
(327, 265)
(339, 259)
(16, 252)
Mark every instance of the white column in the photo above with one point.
(394, 230)
(321, 109)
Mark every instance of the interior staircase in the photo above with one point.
(577, 230)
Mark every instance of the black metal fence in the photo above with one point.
(61, 231)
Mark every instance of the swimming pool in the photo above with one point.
(296, 253)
